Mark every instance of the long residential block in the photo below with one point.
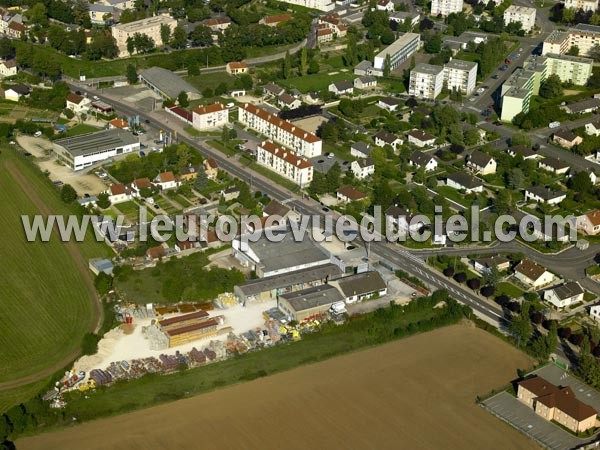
(399, 51)
(285, 163)
(149, 26)
(302, 142)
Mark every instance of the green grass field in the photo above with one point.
(81, 128)
(509, 290)
(317, 81)
(46, 305)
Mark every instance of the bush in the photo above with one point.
(576, 339)
(68, 194)
(596, 351)
(502, 300)
(89, 346)
(537, 317)
(514, 307)
(564, 332)
(547, 324)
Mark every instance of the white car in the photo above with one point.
(230, 105)
(480, 90)
(329, 155)
(95, 97)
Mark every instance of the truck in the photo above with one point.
(338, 308)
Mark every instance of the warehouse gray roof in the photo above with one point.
(166, 81)
(286, 253)
(86, 144)
(286, 280)
(362, 283)
(313, 297)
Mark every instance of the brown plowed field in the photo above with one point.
(416, 393)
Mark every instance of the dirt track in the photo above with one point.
(417, 393)
(82, 267)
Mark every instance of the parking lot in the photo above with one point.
(41, 150)
(511, 410)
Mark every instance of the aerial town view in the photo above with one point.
(328, 224)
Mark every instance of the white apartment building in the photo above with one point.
(570, 68)
(302, 142)
(321, 5)
(585, 37)
(446, 7)
(426, 81)
(149, 26)
(399, 51)
(285, 163)
(521, 14)
(210, 116)
(586, 5)
(461, 75)
(557, 42)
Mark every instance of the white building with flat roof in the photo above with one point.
(574, 69)
(461, 75)
(321, 5)
(521, 14)
(149, 26)
(426, 81)
(399, 51)
(302, 142)
(79, 152)
(557, 42)
(585, 37)
(285, 163)
(586, 5)
(445, 7)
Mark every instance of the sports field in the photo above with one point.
(47, 298)
(415, 393)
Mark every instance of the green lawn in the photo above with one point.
(81, 128)
(130, 209)
(45, 303)
(508, 289)
(211, 80)
(317, 81)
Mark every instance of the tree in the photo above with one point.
(246, 81)
(165, 33)
(487, 291)
(387, 66)
(68, 194)
(521, 328)
(179, 38)
(103, 201)
(201, 180)
(38, 14)
(387, 36)
(313, 67)
(460, 277)
(131, 74)
(201, 36)
(434, 43)
(449, 272)
(103, 283)
(474, 283)
(129, 43)
(287, 65)
(303, 61)
(333, 177)
(552, 87)
(573, 51)
(182, 99)
(580, 182)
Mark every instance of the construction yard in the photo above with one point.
(118, 345)
(404, 394)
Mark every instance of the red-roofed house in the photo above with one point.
(273, 21)
(236, 67)
(211, 168)
(166, 180)
(118, 123)
(285, 163)
(118, 193)
(15, 30)
(139, 184)
(210, 116)
(302, 142)
(78, 103)
(589, 222)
